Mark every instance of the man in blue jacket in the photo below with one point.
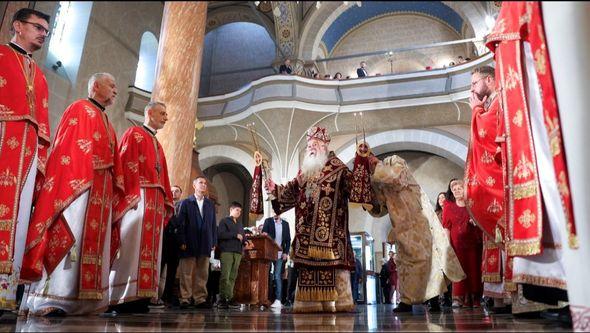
(278, 229)
(197, 236)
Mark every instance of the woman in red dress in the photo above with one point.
(466, 239)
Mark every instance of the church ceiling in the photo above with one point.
(356, 16)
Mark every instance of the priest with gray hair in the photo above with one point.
(68, 241)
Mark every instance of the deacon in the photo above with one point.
(142, 215)
(321, 246)
(426, 262)
(68, 241)
(24, 139)
(485, 185)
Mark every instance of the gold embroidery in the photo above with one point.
(524, 169)
(90, 111)
(562, 185)
(492, 260)
(58, 204)
(5, 225)
(141, 158)
(13, 143)
(73, 121)
(540, 62)
(28, 152)
(133, 167)
(490, 181)
(96, 200)
(45, 104)
(65, 160)
(138, 137)
(145, 277)
(4, 210)
(494, 207)
(48, 185)
(7, 178)
(43, 129)
(522, 249)
(517, 120)
(512, 79)
(96, 136)
(148, 226)
(472, 181)
(482, 133)
(486, 158)
(554, 135)
(525, 190)
(527, 219)
(85, 145)
(93, 224)
(5, 110)
(2, 82)
(76, 184)
(500, 26)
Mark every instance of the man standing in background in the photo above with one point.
(231, 239)
(278, 229)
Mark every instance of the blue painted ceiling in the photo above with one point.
(354, 16)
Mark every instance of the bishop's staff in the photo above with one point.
(261, 172)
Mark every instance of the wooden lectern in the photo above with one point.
(252, 282)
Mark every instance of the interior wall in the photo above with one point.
(396, 31)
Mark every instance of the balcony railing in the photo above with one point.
(352, 95)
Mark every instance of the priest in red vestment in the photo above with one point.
(24, 139)
(141, 217)
(68, 241)
(538, 198)
(484, 183)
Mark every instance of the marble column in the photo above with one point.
(567, 29)
(177, 83)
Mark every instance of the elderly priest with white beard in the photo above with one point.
(321, 247)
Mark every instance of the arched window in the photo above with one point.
(67, 38)
(146, 66)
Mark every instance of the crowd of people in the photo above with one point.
(92, 224)
(361, 71)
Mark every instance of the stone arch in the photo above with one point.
(227, 15)
(425, 140)
(219, 154)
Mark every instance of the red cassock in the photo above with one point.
(517, 23)
(484, 183)
(144, 167)
(83, 158)
(23, 128)
(466, 240)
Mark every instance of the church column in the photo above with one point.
(177, 83)
(567, 31)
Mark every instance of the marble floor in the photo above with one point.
(365, 318)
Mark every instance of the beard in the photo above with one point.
(312, 165)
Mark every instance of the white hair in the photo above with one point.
(95, 77)
(151, 105)
(312, 165)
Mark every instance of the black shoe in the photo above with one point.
(234, 305)
(56, 313)
(402, 307)
(223, 304)
(204, 305)
(563, 315)
(184, 305)
(501, 310)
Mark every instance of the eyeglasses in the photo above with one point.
(476, 82)
(39, 27)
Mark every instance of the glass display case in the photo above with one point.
(364, 250)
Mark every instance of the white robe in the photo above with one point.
(61, 289)
(123, 276)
